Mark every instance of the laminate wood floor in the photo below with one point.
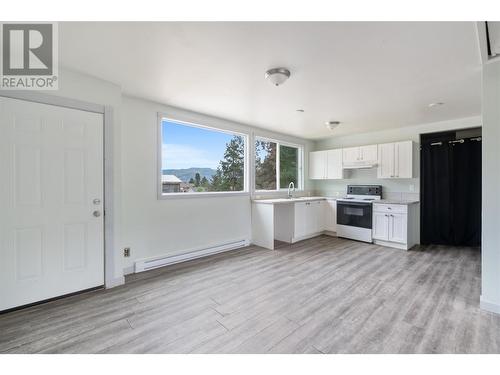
(323, 295)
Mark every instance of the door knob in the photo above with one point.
(96, 213)
(96, 201)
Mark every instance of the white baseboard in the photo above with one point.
(128, 270)
(395, 245)
(142, 265)
(489, 306)
(297, 239)
(117, 281)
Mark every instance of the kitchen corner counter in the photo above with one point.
(396, 201)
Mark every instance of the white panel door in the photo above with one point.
(319, 215)
(310, 219)
(300, 219)
(386, 157)
(334, 168)
(403, 159)
(398, 228)
(380, 229)
(330, 215)
(51, 163)
(350, 155)
(368, 153)
(317, 165)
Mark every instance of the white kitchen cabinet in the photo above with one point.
(330, 212)
(318, 165)
(334, 169)
(301, 213)
(326, 165)
(380, 226)
(404, 159)
(397, 228)
(350, 155)
(395, 225)
(386, 159)
(361, 154)
(319, 216)
(395, 160)
(368, 153)
(309, 219)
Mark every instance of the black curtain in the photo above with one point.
(451, 193)
(466, 192)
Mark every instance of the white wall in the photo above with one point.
(149, 226)
(153, 227)
(490, 293)
(334, 187)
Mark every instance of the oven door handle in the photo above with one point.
(357, 204)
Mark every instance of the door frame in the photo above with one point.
(108, 182)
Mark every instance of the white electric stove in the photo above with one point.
(354, 212)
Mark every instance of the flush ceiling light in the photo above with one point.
(437, 104)
(278, 76)
(332, 124)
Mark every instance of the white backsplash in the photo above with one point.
(407, 189)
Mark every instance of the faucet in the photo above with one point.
(291, 186)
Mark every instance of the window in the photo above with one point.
(196, 159)
(277, 164)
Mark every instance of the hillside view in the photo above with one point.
(186, 174)
(212, 161)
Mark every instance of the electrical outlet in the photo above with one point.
(126, 252)
(412, 187)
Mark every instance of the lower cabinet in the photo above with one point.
(380, 229)
(308, 219)
(330, 212)
(395, 225)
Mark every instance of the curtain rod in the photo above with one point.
(478, 139)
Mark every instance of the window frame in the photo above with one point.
(300, 167)
(159, 170)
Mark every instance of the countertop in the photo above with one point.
(289, 200)
(309, 199)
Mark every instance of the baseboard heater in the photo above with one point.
(157, 262)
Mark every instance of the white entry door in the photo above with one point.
(51, 202)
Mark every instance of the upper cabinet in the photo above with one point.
(369, 153)
(325, 165)
(334, 170)
(317, 165)
(357, 155)
(395, 160)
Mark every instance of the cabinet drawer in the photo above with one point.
(396, 208)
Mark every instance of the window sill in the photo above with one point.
(203, 195)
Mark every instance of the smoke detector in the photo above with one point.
(332, 124)
(436, 104)
(278, 76)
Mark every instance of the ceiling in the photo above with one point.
(368, 75)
